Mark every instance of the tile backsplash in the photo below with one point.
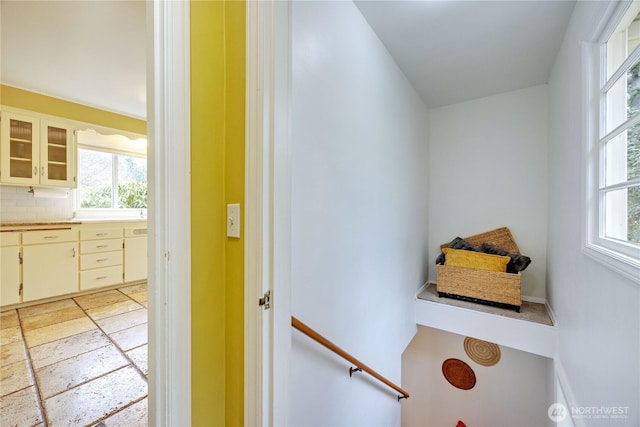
(17, 204)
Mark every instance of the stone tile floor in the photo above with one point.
(77, 361)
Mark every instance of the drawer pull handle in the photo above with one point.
(102, 246)
(101, 260)
(101, 234)
(101, 277)
(74, 252)
(51, 237)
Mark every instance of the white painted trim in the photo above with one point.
(256, 386)
(561, 377)
(615, 261)
(278, 93)
(267, 214)
(168, 127)
(552, 314)
(536, 300)
(422, 288)
(520, 334)
(612, 255)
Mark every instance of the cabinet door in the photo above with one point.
(49, 270)
(135, 259)
(9, 275)
(57, 160)
(19, 149)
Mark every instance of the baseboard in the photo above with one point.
(569, 397)
(552, 315)
(421, 289)
(534, 299)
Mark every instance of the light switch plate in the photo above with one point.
(233, 220)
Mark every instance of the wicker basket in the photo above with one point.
(485, 287)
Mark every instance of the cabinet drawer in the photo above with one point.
(100, 277)
(100, 259)
(9, 239)
(101, 233)
(48, 236)
(92, 246)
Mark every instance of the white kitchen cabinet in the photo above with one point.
(36, 152)
(101, 257)
(9, 268)
(135, 254)
(50, 263)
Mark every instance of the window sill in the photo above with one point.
(128, 214)
(621, 264)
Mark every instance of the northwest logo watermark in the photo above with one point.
(558, 412)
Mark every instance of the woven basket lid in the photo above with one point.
(459, 374)
(482, 352)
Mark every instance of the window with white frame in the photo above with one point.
(614, 152)
(112, 175)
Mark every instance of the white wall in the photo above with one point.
(17, 204)
(359, 223)
(487, 169)
(598, 311)
(514, 392)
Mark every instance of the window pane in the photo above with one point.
(622, 214)
(634, 214)
(616, 105)
(623, 99)
(94, 186)
(624, 39)
(622, 157)
(132, 182)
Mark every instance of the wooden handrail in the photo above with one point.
(297, 324)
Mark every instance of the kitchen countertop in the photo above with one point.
(37, 223)
(73, 221)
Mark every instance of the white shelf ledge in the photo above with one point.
(526, 331)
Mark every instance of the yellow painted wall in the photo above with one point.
(19, 98)
(217, 171)
(235, 32)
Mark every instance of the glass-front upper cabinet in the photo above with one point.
(20, 149)
(56, 155)
(36, 151)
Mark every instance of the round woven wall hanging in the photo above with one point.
(459, 374)
(482, 352)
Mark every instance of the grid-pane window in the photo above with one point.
(618, 184)
(112, 175)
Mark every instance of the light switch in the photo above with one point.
(233, 220)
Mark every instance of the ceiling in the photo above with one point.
(453, 51)
(93, 52)
(90, 52)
